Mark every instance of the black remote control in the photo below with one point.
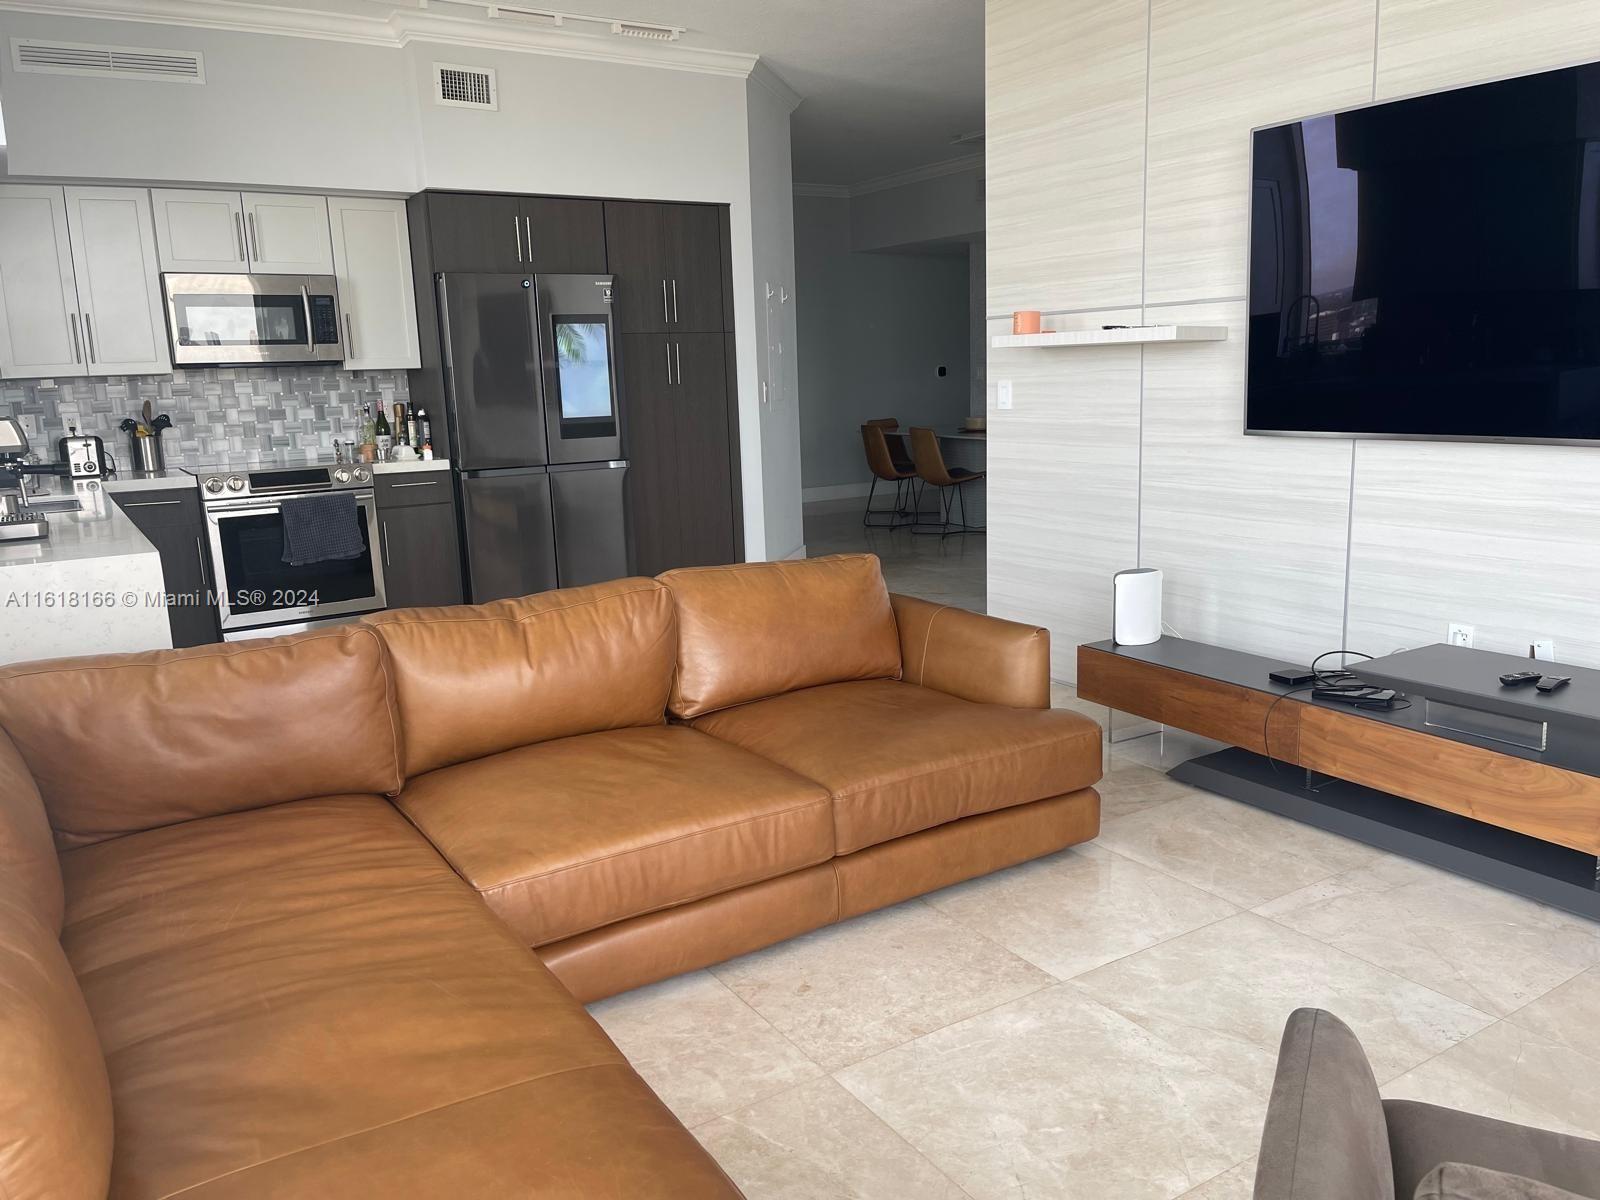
(1520, 678)
(1550, 683)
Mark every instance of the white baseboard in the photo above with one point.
(836, 491)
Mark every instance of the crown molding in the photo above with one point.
(830, 191)
(882, 183)
(399, 29)
(761, 73)
(938, 170)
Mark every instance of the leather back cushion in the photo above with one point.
(124, 742)
(27, 853)
(479, 679)
(55, 1098)
(761, 629)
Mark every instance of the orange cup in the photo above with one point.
(1025, 320)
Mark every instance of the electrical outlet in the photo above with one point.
(1002, 394)
(1461, 635)
(1544, 649)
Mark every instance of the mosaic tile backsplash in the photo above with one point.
(245, 415)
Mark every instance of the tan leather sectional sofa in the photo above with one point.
(266, 908)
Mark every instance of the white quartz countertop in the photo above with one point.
(97, 530)
(150, 481)
(402, 468)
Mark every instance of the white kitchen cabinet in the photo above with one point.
(200, 232)
(39, 330)
(288, 234)
(372, 261)
(118, 281)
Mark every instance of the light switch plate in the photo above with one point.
(1002, 394)
(30, 426)
(1544, 650)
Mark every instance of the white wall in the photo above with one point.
(776, 366)
(1117, 186)
(874, 329)
(344, 116)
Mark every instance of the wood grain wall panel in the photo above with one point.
(1063, 488)
(1505, 538)
(1217, 69)
(1424, 45)
(1248, 531)
(1064, 173)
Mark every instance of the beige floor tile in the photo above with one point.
(851, 990)
(818, 1142)
(1236, 1183)
(1130, 787)
(701, 1047)
(1487, 948)
(1162, 750)
(1569, 1014)
(1056, 1096)
(1512, 1074)
(1240, 853)
(1223, 993)
(1079, 909)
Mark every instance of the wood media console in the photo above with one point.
(1497, 785)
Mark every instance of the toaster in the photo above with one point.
(84, 454)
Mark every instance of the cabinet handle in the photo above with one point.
(677, 358)
(149, 503)
(385, 536)
(666, 313)
(422, 483)
(527, 224)
(88, 335)
(349, 338)
(675, 302)
(238, 234)
(255, 239)
(77, 350)
(200, 553)
(516, 228)
(666, 348)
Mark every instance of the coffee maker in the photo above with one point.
(18, 522)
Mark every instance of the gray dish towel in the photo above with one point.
(324, 528)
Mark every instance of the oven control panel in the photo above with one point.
(283, 481)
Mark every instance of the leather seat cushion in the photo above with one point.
(570, 835)
(274, 988)
(898, 758)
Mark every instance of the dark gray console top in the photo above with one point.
(1471, 678)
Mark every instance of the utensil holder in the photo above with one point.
(147, 454)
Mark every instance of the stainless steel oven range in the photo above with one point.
(258, 593)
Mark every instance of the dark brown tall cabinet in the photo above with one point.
(673, 312)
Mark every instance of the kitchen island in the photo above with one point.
(93, 586)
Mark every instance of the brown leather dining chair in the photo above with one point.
(881, 461)
(898, 450)
(950, 481)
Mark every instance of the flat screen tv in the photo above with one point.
(1430, 268)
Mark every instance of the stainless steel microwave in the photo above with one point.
(224, 320)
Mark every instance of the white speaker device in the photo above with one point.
(1136, 607)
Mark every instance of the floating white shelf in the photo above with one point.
(1129, 336)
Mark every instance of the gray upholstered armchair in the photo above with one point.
(1329, 1136)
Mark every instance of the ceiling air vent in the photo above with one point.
(464, 87)
(121, 62)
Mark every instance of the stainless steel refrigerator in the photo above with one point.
(536, 430)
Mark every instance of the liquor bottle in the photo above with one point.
(424, 428)
(411, 430)
(382, 436)
(369, 429)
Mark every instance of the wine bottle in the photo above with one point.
(382, 436)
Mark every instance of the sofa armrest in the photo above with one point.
(975, 657)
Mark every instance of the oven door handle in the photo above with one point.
(311, 337)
